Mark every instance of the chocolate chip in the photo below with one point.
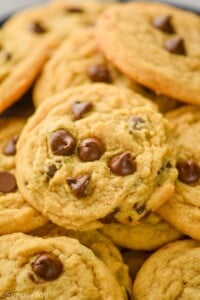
(110, 218)
(137, 121)
(10, 146)
(8, 56)
(47, 266)
(62, 143)
(90, 149)
(122, 164)
(7, 182)
(163, 23)
(75, 9)
(51, 171)
(130, 219)
(189, 171)
(139, 208)
(99, 73)
(175, 46)
(80, 108)
(78, 185)
(37, 27)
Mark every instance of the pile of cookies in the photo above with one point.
(99, 182)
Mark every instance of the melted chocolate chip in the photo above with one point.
(137, 121)
(75, 9)
(79, 185)
(90, 149)
(189, 171)
(99, 73)
(51, 171)
(122, 164)
(10, 146)
(37, 27)
(80, 108)
(7, 182)
(130, 219)
(62, 143)
(139, 208)
(8, 56)
(163, 23)
(110, 218)
(47, 266)
(175, 46)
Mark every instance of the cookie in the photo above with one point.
(134, 260)
(170, 273)
(99, 175)
(183, 210)
(102, 247)
(15, 213)
(150, 234)
(53, 268)
(158, 47)
(18, 68)
(78, 61)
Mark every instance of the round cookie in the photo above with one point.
(102, 247)
(170, 273)
(78, 61)
(150, 234)
(183, 210)
(15, 213)
(134, 260)
(158, 47)
(100, 174)
(18, 68)
(54, 268)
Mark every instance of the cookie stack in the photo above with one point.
(107, 168)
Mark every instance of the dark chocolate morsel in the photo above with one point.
(51, 171)
(7, 182)
(175, 46)
(78, 185)
(10, 146)
(90, 149)
(163, 23)
(37, 27)
(122, 164)
(189, 171)
(80, 108)
(99, 73)
(47, 266)
(75, 9)
(110, 218)
(62, 143)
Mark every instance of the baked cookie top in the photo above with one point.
(157, 46)
(92, 164)
(15, 213)
(170, 273)
(78, 61)
(53, 268)
(183, 210)
(18, 68)
(102, 247)
(150, 234)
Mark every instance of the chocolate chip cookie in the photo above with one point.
(150, 234)
(53, 268)
(78, 61)
(85, 173)
(15, 213)
(18, 68)
(156, 45)
(170, 273)
(102, 247)
(183, 210)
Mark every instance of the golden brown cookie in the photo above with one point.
(54, 268)
(170, 273)
(156, 45)
(183, 210)
(15, 213)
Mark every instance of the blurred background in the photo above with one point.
(8, 6)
